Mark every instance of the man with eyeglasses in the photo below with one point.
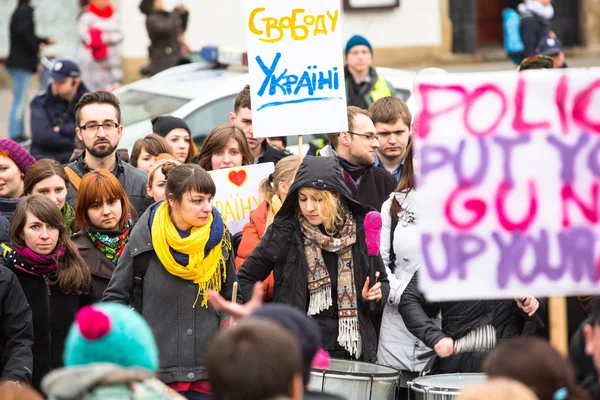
(53, 113)
(392, 121)
(355, 151)
(363, 85)
(98, 119)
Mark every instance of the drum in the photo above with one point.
(355, 380)
(441, 387)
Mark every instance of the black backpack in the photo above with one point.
(140, 267)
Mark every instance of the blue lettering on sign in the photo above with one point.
(310, 83)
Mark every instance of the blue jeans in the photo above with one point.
(21, 78)
(195, 396)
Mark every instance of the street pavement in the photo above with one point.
(584, 61)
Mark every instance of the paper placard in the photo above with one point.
(237, 192)
(509, 184)
(296, 67)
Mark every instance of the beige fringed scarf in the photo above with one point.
(319, 281)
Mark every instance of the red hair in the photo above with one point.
(96, 187)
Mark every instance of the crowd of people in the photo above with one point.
(118, 274)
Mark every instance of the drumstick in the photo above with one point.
(373, 303)
(480, 339)
(233, 299)
(535, 317)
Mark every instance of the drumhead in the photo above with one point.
(446, 382)
(356, 368)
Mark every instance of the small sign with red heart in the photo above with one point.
(237, 177)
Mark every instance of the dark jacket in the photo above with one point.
(47, 112)
(165, 49)
(281, 250)
(271, 154)
(181, 331)
(53, 313)
(100, 266)
(533, 29)
(24, 44)
(363, 94)
(16, 330)
(458, 319)
(132, 179)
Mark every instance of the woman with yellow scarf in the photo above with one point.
(178, 250)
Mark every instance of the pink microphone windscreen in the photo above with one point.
(373, 232)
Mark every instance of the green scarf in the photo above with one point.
(110, 243)
(68, 216)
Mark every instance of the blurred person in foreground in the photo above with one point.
(497, 389)
(591, 335)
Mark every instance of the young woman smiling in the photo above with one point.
(103, 224)
(15, 162)
(183, 245)
(48, 178)
(53, 276)
(225, 147)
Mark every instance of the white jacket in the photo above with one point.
(398, 347)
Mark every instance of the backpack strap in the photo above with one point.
(140, 267)
(5, 250)
(73, 177)
(392, 263)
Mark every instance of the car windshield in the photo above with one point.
(139, 106)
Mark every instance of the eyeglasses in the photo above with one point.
(93, 127)
(369, 137)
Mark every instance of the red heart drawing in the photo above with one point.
(237, 177)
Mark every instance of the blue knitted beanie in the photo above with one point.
(110, 333)
(357, 40)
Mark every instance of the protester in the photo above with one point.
(355, 151)
(53, 276)
(536, 62)
(177, 132)
(241, 117)
(255, 360)
(12, 391)
(497, 389)
(16, 331)
(179, 249)
(393, 122)
(278, 142)
(535, 363)
(15, 162)
(552, 47)
(156, 179)
(401, 253)
(22, 63)
(225, 147)
(48, 178)
(146, 149)
(53, 113)
(98, 117)
(273, 191)
(100, 34)
(164, 25)
(320, 224)
(535, 23)
(363, 85)
(103, 223)
(110, 353)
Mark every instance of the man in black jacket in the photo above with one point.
(98, 119)
(53, 113)
(22, 64)
(16, 330)
(355, 151)
(535, 24)
(241, 117)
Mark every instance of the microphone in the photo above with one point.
(373, 232)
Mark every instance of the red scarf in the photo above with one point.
(106, 13)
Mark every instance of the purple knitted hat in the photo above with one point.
(17, 154)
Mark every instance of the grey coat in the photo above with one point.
(181, 331)
(132, 179)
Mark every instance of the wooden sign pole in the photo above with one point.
(557, 307)
(300, 151)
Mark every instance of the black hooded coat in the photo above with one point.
(281, 250)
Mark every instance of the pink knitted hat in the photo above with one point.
(17, 154)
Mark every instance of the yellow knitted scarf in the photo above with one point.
(208, 272)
